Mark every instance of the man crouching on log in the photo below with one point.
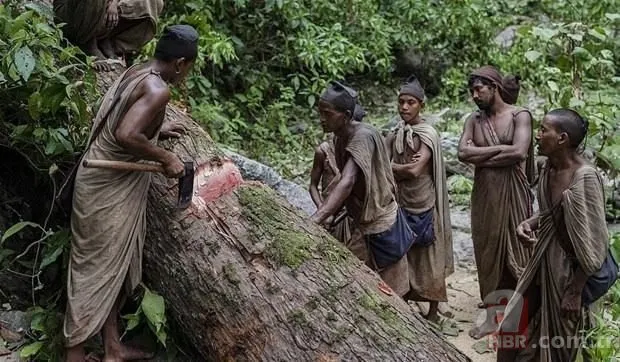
(108, 221)
(366, 187)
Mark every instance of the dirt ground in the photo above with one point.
(463, 298)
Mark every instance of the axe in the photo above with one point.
(186, 182)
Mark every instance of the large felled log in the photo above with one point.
(249, 278)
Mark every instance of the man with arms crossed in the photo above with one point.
(417, 163)
(497, 139)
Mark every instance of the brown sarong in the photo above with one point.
(583, 229)
(108, 224)
(85, 20)
(428, 266)
(501, 199)
(376, 211)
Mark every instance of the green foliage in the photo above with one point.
(460, 188)
(255, 86)
(265, 64)
(602, 340)
(574, 64)
(46, 335)
(45, 87)
(152, 311)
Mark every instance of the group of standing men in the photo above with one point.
(383, 192)
(386, 200)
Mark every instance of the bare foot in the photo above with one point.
(101, 64)
(75, 354)
(433, 317)
(92, 48)
(483, 330)
(107, 48)
(127, 353)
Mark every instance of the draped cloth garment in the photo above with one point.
(344, 231)
(85, 20)
(572, 232)
(501, 199)
(108, 223)
(428, 266)
(375, 211)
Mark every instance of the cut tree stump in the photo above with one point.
(248, 277)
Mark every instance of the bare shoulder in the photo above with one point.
(320, 149)
(155, 91)
(389, 138)
(472, 117)
(521, 115)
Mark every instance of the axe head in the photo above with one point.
(186, 186)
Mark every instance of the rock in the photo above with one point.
(461, 220)
(450, 146)
(297, 195)
(534, 103)
(298, 128)
(482, 347)
(462, 247)
(505, 39)
(427, 65)
(15, 320)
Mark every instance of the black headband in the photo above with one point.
(177, 41)
(340, 96)
(413, 87)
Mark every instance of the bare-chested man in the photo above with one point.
(108, 221)
(108, 28)
(366, 188)
(418, 166)
(497, 139)
(571, 265)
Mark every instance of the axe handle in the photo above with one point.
(122, 165)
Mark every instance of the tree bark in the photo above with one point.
(248, 277)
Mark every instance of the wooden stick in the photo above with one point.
(122, 165)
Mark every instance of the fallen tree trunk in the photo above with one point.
(248, 277)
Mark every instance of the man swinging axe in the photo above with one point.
(108, 220)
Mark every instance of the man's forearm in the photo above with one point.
(397, 171)
(140, 146)
(505, 158)
(578, 281)
(408, 171)
(333, 203)
(476, 155)
(315, 195)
